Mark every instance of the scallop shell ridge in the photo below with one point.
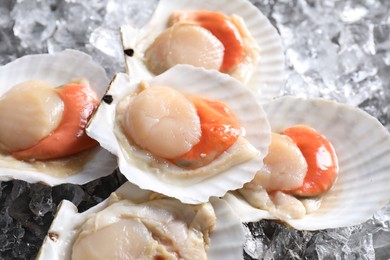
(362, 145)
(209, 84)
(269, 74)
(226, 241)
(57, 69)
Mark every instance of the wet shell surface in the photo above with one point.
(362, 146)
(56, 69)
(268, 73)
(135, 163)
(226, 241)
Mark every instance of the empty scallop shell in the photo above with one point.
(362, 146)
(268, 74)
(226, 241)
(190, 80)
(57, 69)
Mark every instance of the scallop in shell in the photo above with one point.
(262, 68)
(225, 241)
(362, 146)
(230, 170)
(56, 70)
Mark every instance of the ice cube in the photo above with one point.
(34, 24)
(132, 12)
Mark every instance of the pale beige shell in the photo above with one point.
(57, 69)
(268, 75)
(196, 81)
(362, 146)
(226, 242)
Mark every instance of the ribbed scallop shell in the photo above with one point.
(57, 69)
(268, 75)
(362, 146)
(191, 80)
(226, 242)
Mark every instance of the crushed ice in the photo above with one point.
(338, 49)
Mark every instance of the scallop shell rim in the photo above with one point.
(216, 185)
(228, 226)
(268, 75)
(351, 201)
(78, 65)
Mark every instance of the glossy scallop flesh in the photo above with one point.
(268, 74)
(362, 145)
(214, 179)
(56, 69)
(226, 241)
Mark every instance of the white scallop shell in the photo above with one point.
(362, 146)
(191, 80)
(57, 69)
(268, 76)
(226, 242)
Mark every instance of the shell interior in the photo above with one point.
(268, 75)
(226, 242)
(191, 80)
(57, 69)
(362, 146)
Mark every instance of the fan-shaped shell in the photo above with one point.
(57, 69)
(268, 74)
(226, 241)
(362, 146)
(191, 80)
